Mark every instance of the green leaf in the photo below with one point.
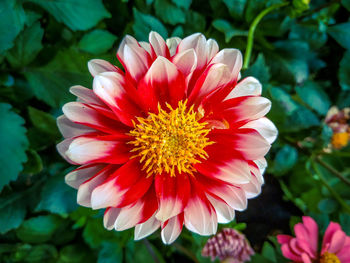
(97, 41)
(341, 34)
(182, 3)
(145, 23)
(11, 23)
(236, 8)
(285, 160)
(34, 163)
(260, 259)
(75, 253)
(328, 206)
(27, 46)
(50, 83)
(110, 253)
(38, 229)
(301, 119)
(76, 14)
(169, 12)
(12, 213)
(314, 97)
(344, 72)
(259, 70)
(284, 100)
(44, 122)
(195, 22)
(344, 220)
(13, 143)
(346, 4)
(57, 197)
(268, 251)
(35, 254)
(229, 31)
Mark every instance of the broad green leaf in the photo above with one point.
(310, 33)
(76, 14)
(169, 12)
(97, 41)
(346, 4)
(314, 97)
(51, 82)
(344, 72)
(236, 8)
(284, 99)
(11, 23)
(57, 197)
(178, 32)
(285, 160)
(195, 22)
(257, 258)
(38, 229)
(110, 253)
(301, 119)
(182, 3)
(75, 253)
(229, 31)
(27, 46)
(34, 163)
(145, 23)
(35, 254)
(259, 70)
(44, 122)
(344, 220)
(12, 212)
(269, 252)
(341, 34)
(13, 143)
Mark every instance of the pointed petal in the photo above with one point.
(212, 48)
(110, 216)
(172, 229)
(265, 127)
(172, 44)
(232, 58)
(186, 61)
(62, 148)
(247, 87)
(85, 95)
(78, 176)
(97, 66)
(172, 193)
(70, 129)
(147, 228)
(158, 45)
(224, 212)
(196, 41)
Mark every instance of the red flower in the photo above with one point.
(172, 140)
(304, 247)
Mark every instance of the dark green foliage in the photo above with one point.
(300, 55)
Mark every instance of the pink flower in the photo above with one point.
(229, 245)
(173, 139)
(304, 247)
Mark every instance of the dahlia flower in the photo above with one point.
(173, 139)
(229, 246)
(304, 247)
(338, 121)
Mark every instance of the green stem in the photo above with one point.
(250, 41)
(330, 189)
(332, 170)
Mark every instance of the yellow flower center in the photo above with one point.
(171, 141)
(340, 140)
(329, 258)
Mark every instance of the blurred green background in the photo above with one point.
(300, 54)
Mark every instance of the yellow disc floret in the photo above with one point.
(329, 258)
(340, 140)
(171, 141)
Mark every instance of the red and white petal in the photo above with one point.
(172, 44)
(224, 212)
(158, 45)
(147, 228)
(212, 49)
(251, 189)
(146, 46)
(134, 58)
(78, 176)
(200, 216)
(233, 171)
(86, 188)
(85, 95)
(102, 149)
(70, 129)
(265, 127)
(198, 42)
(172, 229)
(109, 87)
(232, 58)
(247, 87)
(136, 213)
(125, 186)
(84, 114)
(97, 66)
(173, 193)
(110, 216)
(186, 61)
(261, 163)
(62, 148)
(213, 78)
(162, 83)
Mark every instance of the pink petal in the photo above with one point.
(331, 229)
(284, 239)
(337, 242)
(312, 228)
(287, 253)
